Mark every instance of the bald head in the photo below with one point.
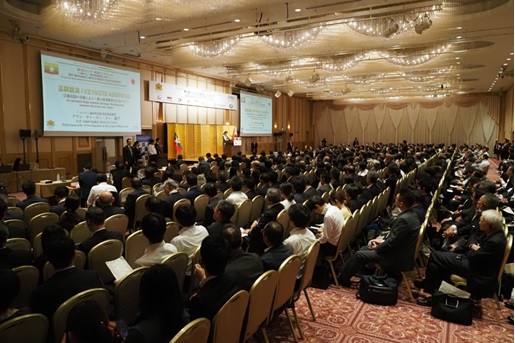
(105, 198)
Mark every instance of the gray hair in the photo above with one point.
(171, 184)
(493, 218)
(273, 195)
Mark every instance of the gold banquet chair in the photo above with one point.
(126, 296)
(79, 262)
(30, 328)
(108, 250)
(135, 247)
(179, 263)
(80, 232)
(117, 222)
(200, 205)
(39, 222)
(228, 321)
(172, 231)
(196, 331)
(18, 244)
(29, 278)
(99, 295)
(34, 209)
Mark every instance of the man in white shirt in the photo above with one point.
(153, 226)
(301, 237)
(237, 196)
(190, 236)
(101, 186)
(329, 233)
(152, 151)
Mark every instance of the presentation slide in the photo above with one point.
(87, 99)
(255, 115)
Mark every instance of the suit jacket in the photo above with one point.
(256, 244)
(29, 201)
(112, 210)
(396, 252)
(299, 198)
(273, 258)
(484, 264)
(216, 227)
(98, 237)
(60, 287)
(10, 259)
(168, 203)
(136, 155)
(58, 209)
(210, 210)
(130, 203)
(128, 156)
(324, 188)
(87, 179)
(118, 176)
(212, 296)
(310, 191)
(251, 193)
(192, 193)
(247, 266)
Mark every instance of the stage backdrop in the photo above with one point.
(196, 139)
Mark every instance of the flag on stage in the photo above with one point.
(177, 143)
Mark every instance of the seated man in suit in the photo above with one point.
(95, 218)
(395, 252)
(130, 202)
(106, 203)
(276, 252)
(222, 215)
(216, 287)
(29, 188)
(171, 190)
(60, 194)
(212, 192)
(119, 173)
(67, 279)
(479, 264)
(256, 244)
(193, 190)
(153, 226)
(247, 266)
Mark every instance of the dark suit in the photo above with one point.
(58, 209)
(256, 244)
(112, 210)
(273, 258)
(151, 181)
(87, 179)
(99, 237)
(60, 287)
(118, 176)
(136, 155)
(216, 227)
(128, 157)
(251, 193)
(212, 296)
(210, 210)
(310, 191)
(299, 198)
(254, 148)
(247, 266)
(480, 267)
(192, 193)
(10, 259)
(395, 253)
(168, 203)
(130, 204)
(29, 201)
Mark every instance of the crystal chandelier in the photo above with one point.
(214, 48)
(86, 11)
(292, 39)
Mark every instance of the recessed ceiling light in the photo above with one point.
(505, 64)
(458, 74)
(458, 62)
(142, 37)
(158, 18)
(298, 10)
(508, 59)
(459, 37)
(185, 29)
(237, 20)
(459, 28)
(457, 58)
(511, 53)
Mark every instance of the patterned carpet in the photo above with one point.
(343, 318)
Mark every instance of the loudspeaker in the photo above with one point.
(25, 133)
(38, 133)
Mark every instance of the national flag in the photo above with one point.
(51, 68)
(177, 143)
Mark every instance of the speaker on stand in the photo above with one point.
(24, 134)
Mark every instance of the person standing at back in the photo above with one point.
(87, 179)
(128, 155)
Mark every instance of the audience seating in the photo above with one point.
(108, 250)
(179, 263)
(156, 187)
(123, 194)
(34, 209)
(29, 328)
(228, 321)
(117, 222)
(126, 182)
(257, 208)
(13, 210)
(244, 211)
(80, 232)
(227, 193)
(135, 246)
(178, 203)
(37, 247)
(200, 205)
(17, 228)
(126, 296)
(39, 222)
(18, 243)
(346, 237)
(12, 200)
(140, 210)
(194, 280)
(79, 262)
(81, 211)
(172, 230)
(100, 295)
(195, 332)
(161, 195)
(29, 279)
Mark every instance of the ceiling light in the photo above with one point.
(290, 93)
(423, 25)
(391, 29)
(185, 29)
(91, 11)
(508, 59)
(248, 81)
(142, 37)
(459, 28)
(457, 58)
(237, 20)
(459, 37)
(298, 10)
(505, 64)
(158, 18)
(278, 94)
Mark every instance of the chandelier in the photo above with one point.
(214, 48)
(86, 11)
(292, 39)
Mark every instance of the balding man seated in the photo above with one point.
(95, 219)
(106, 203)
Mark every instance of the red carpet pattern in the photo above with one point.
(343, 318)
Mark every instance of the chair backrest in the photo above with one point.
(29, 278)
(13, 210)
(178, 203)
(37, 246)
(81, 211)
(194, 281)
(196, 331)
(31, 328)
(257, 207)
(17, 226)
(200, 205)
(507, 251)
(178, 262)
(161, 195)
(12, 200)
(34, 209)
(147, 188)
(99, 295)
(117, 222)
(181, 190)
(135, 246)
(141, 210)
(18, 244)
(260, 303)
(309, 267)
(79, 262)
(227, 192)
(172, 231)
(155, 188)
(39, 222)
(284, 220)
(288, 272)
(228, 321)
(80, 232)
(126, 296)
(104, 251)
(126, 182)
(123, 194)
(244, 211)
(184, 167)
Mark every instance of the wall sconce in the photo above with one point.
(278, 94)
(275, 126)
(290, 93)
(288, 127)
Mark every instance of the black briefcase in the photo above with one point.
(379, 290)
(452, 308)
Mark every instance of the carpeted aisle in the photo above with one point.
(343, 318)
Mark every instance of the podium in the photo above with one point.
(232, 147)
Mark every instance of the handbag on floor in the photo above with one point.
(452, 308)
(379, 290)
